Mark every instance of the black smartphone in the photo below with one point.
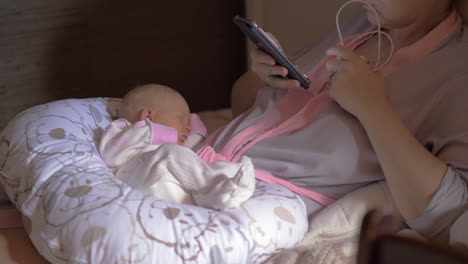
(258, 37)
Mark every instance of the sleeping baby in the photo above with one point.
(150, 148)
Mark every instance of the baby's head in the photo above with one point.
(159, 103)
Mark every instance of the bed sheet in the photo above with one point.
(76, 211)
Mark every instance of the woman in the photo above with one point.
(355, 126)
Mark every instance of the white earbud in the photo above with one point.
(378, 31)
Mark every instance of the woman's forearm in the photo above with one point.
(413, 173)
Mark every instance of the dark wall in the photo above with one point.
(56, 49)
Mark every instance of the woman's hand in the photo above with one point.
(265, 67)
(354, 85)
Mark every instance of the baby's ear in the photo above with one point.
(146, 113)
(116, 112)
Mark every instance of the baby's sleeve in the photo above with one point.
(122, 140)
(197, 126)
(197, 132)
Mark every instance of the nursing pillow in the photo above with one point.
(76, 211)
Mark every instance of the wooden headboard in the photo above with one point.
(53, 50)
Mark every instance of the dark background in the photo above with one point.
(57, 49)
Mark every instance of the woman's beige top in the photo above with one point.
(333, 156)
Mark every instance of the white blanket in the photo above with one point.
(172, 172)
(333, 233)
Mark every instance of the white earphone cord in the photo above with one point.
(378, 31)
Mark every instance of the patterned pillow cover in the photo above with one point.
(76, 211)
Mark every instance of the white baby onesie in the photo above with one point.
(173, 172)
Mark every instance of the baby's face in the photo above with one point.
(178, 119)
